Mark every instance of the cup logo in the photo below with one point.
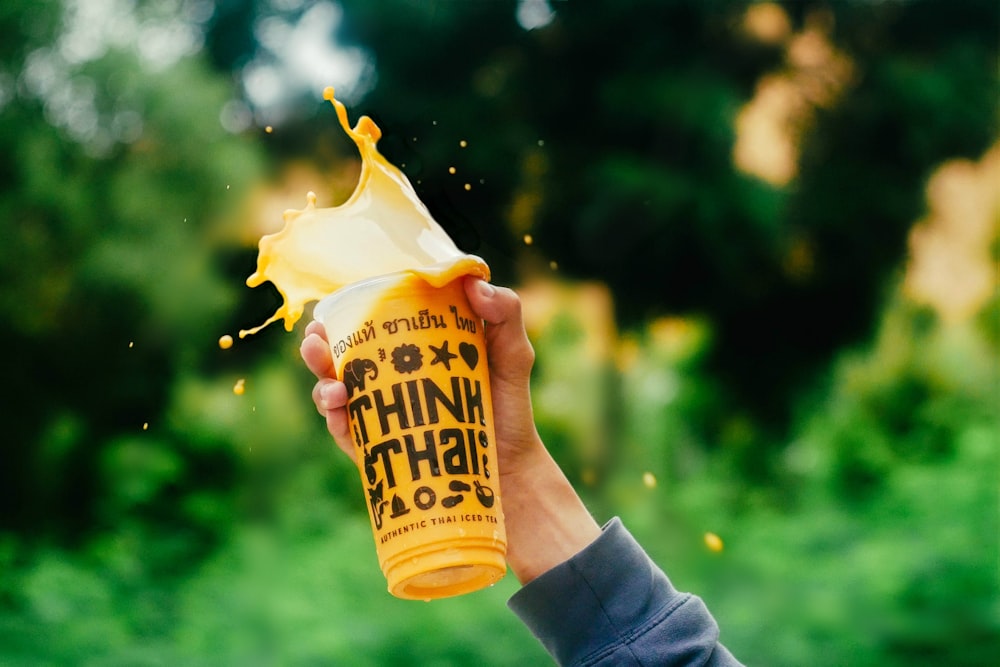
(420, 415)
(470, 354)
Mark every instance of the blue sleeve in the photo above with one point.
(611, 605)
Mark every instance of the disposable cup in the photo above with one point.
(413, 357)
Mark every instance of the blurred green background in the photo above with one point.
(758, 249)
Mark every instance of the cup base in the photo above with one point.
(445, 571)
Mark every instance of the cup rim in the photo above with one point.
(346, 291)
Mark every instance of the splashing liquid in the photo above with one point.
(382, 228)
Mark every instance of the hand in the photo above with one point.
(546, 521)
(510, 358)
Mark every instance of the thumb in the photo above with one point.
(510, 353)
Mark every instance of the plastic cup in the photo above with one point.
(413, 357)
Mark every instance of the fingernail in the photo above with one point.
(486, 289)
(324, 395)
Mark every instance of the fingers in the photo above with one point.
(330, 398)
(509, 350)
(329, 395)
(316, 327)
(316, 352)
(510, 357)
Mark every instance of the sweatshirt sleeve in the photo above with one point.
(611, 605)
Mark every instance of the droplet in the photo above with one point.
(227, 186)
(541, 142)
(463, 143)
(226, 342)
(131, 343)
(269, 129)
(451, 170)
(468, 186)
(239, 387)
(554, 265)
(713, 542)
(145, 426)
(649, 479)
(528, 239)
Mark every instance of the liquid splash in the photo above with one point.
(382, 228)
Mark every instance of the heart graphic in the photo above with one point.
(470, 354)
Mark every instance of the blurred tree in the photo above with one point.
(608, 135)
(611, 135)
(113, 164)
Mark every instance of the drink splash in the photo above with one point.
(382, 228)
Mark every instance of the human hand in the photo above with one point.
(510, 358)
(546, 522)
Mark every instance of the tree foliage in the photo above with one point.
(839, 438)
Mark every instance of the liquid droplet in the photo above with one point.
(239, 387)
(145, 426)
(269, 129)
(226, 342)
(468, 186)
(649, 480)
(451, 170)
(713, 542)
(528, 239)
(463, 143)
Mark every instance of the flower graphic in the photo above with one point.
(407, 358)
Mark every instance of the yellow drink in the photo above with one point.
(413, 355)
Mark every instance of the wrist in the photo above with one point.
(546, 521)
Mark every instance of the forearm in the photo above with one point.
(593, 597)
(611, 605)
(546, 521)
